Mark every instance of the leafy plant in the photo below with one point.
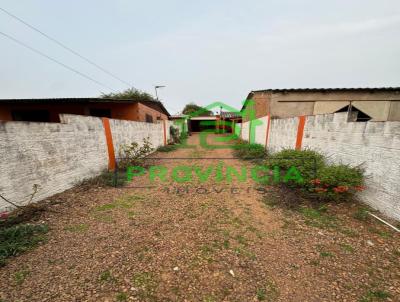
(307, 162)
(17, 239)
(247, 151)
(321, 181)
(130, 94)
(174, 134)
(192, 108)
(134, 154)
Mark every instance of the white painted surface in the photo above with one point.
(57, 156)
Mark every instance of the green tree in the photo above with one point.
(193, 108)
(130, 94)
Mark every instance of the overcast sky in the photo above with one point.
(203, 51)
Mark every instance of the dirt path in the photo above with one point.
(202, 241)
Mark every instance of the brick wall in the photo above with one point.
(57, 156)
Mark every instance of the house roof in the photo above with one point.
(81, 101)
(361, 89)
(231, 115)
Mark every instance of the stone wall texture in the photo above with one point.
(375, 146)
(56, 156)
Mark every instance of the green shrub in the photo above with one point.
(307, 162)
(174, 134)
(17, 239)
(320, 180)
(247, 151)
(337, 182)
(133, 154)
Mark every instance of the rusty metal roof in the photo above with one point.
(363, 89)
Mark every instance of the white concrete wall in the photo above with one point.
(373, 145)
(282, 134)
(261, 130)
(245, 131)
(126, 132)
(57, 156)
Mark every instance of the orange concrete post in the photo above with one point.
(165, 132)
(300, 132)
(267, 135)
(110, 145)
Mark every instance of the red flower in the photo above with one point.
(3, 215)
(359, 188)
(316, 181)
(341, 189)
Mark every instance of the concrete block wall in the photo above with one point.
(245, 131)
(53, 156)
(282, 134)
(127, 132)
(375, 146)
(58, 156)
(261, 130)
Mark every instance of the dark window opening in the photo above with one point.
(149, 118)
(100, 112)
(31, 115)
(355, 115)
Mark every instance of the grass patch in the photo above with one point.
(102, 212)
(326, 254)
(361, 214)
(347, 248)
(318, 217)
(19, 277)
(167, 148)
(247, 151)
(106, 276)
(78, 228)
(146, 284)
(20, 238)
(375, 295)
(121, 297)
(267, 293)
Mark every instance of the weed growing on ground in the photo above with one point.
(168, 148)
(347, 248)
(267, 293)
(106, 276)
(146, 283)
(375, 295)
(20, 238)
(19, 277)
(318, 217)
(121, 297)
(361, 214)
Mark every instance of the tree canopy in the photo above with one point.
(130, 94)
(193, 108)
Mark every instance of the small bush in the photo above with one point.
(17, 239)
(337, 182)
(174, 134)
(307, 162)
(248, 151)
(133, 154)
(321, 181)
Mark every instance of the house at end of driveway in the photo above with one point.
(49, 109)
(362, 104)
